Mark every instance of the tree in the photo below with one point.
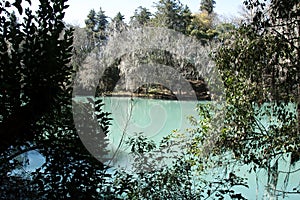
(91, 21)
(203, 24)
(172, 14)
(207, 5)
(247, 15)
(202, 27)
(32, 88)
(96, 27)
(89, 39)
(102, 21)
(141, 17)
(117, 25)
(224, 31)
(36, 108)
(93, 35)
(260, 69)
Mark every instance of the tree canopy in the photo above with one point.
(32, 88)
(260, 69)
(36, 107)
(141, 16)
(207, 5)
(172, 14)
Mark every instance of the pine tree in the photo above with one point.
(172, 14)
(102, 24)
(207, 5)
(119, 17)
(141, 16)
(91, 21)
(117, 24)
(101, 19)
(96, 21)
(96, 24)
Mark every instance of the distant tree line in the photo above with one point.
(170, 14)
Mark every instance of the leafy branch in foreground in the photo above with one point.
(260, 69)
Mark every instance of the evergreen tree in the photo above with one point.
(202, 25)
(101, 21)
(207, 5)
(173, 15)
(186, 16)
(117, 24)
(141, 17)
(91, 21)
(119, 17)
(96, 24)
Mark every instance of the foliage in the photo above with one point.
(117, 25)
(88, 40)
(259, 64)
(168, 13)
(96, 24)
(207, 5)
(36, 109)
(161, 172)
(260, 69)
(202, 27)
(172, 14)
(32, 88)
(141, 17)
(203, 24)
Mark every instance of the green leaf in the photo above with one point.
(18, 5)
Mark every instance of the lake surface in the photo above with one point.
(156, 119)
(153, 118)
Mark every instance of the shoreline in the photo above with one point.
(160, 96)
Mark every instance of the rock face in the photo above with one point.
(119, 82)
(201, 89)
(158, 91)
(127, 78)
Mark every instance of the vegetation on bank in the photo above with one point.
(258, 60)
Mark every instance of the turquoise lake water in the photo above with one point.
(158, 118)
(153, 118)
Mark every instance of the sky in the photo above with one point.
(79, 9)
